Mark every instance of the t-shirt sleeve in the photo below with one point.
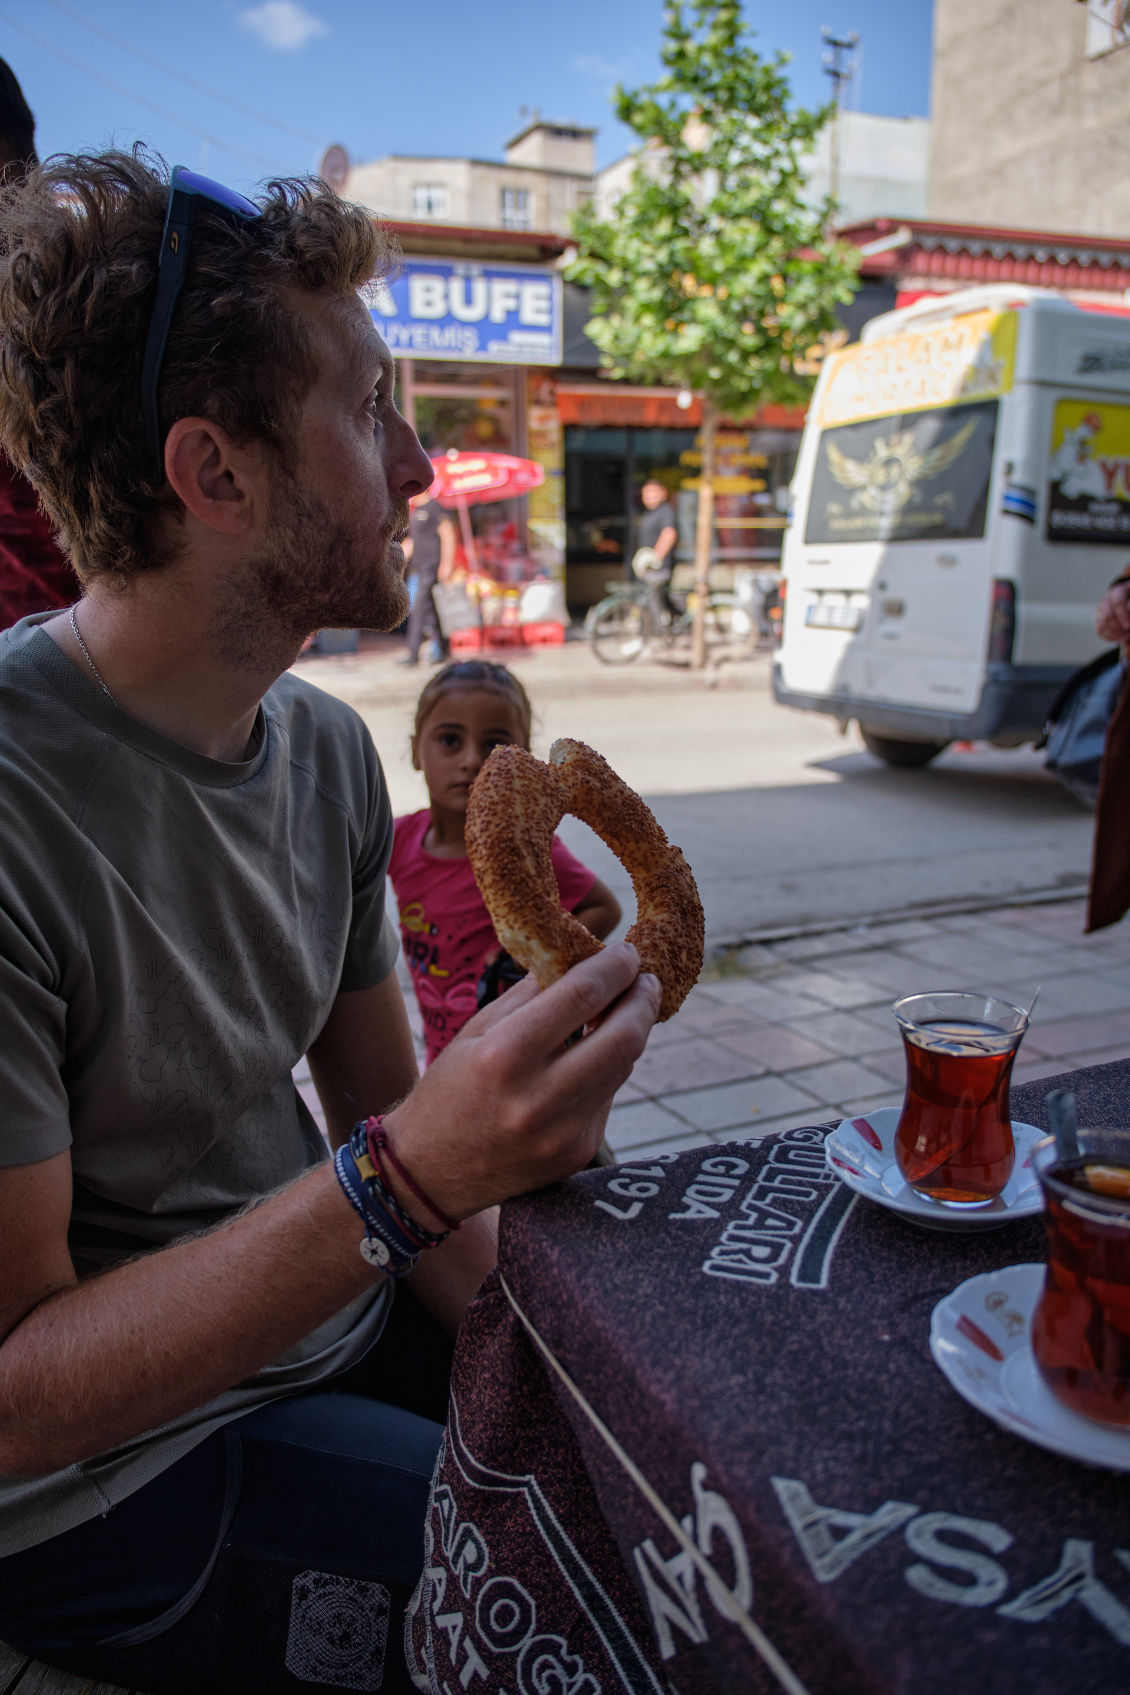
(574, 880)
(35, 1120)
(373, 942)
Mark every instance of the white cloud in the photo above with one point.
(285, 25)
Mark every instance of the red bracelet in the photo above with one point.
(379, 1143)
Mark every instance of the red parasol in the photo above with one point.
(472, 479)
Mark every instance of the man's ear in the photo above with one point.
(217, 481)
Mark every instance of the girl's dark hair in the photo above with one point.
(474, 674)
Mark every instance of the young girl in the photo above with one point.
(463, 712)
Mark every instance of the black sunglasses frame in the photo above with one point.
(186, 191)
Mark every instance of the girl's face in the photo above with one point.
(456, 738)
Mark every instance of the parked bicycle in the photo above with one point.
(624, 625)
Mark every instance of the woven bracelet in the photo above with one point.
(379, 1143)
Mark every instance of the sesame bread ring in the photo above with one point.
(516, 804)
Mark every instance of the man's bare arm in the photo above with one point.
(86, 1366)
(363, 1061)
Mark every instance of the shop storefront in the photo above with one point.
(617, 438)
(491, 356)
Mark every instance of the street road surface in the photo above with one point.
(784, 821)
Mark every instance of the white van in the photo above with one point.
(961, 502)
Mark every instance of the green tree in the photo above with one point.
(712, 273)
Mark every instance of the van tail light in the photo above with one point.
(1002, 622)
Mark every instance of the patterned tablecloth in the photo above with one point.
(698, 1444)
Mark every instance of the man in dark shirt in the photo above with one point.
(431, 553)
(656, 530)
(35, 576)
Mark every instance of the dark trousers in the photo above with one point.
(422, 619)
(279, 1555)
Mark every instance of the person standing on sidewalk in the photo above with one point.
(35, 575)
(430, 550)
(657, 532)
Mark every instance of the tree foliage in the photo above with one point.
(712, 272)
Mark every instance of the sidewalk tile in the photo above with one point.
(1056, 1037)
(847, 1034)
(643, 1121)
(958, 956)
(872, 1103)
(841, 993)
(762, 998)
(677, 1145)
(1033, 1070)
(775, 1047)
(837, 1081)
(890, 1062)
(1097, 1056)
(1009, 938)
(737, 1105)
(893, 974)
(787, 1121)
(1082, 993)
(626, 1094)
(691, 1065)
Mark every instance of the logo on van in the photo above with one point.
(885, 480)
(1110, 356)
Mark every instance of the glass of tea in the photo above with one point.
(1081, 1327)
(954, 1141)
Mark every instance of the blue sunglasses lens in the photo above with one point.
(191, 182)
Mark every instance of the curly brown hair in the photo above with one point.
(79, 244)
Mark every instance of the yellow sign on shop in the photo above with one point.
(1089, 473)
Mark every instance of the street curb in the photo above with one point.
(1061, 892)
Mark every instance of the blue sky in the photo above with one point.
(436, 78)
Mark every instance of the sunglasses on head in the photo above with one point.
(187, 191)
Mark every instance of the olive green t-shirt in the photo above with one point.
(173, 932)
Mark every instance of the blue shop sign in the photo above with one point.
(453, 309)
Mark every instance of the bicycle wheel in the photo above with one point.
(618, 632)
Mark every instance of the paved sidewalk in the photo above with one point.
(800, 1031)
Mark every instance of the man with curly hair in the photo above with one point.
(215, 1444)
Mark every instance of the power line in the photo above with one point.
(131, 94)
(171, 70)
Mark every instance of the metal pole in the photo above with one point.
(839, 67)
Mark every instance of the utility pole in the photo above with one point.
(839, 68)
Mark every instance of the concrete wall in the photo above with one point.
(474, 191)
(1028, 131)
(884, 166)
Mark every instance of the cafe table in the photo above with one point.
(698, 1443)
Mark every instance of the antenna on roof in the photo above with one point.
(839, 66)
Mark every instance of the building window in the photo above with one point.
(429, 200)
(517, 210)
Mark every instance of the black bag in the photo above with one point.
(1077, 724)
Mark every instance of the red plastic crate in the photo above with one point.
(502, 635)
(543, 635)
(465, 641)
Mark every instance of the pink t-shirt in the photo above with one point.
(445, 925)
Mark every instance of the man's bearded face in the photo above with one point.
(319, 571)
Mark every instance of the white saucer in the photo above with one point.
(861, 1152)
(979, 1340)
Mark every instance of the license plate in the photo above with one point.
(833, 615)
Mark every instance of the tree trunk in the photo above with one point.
(704, 536)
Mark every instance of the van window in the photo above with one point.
(911, 476)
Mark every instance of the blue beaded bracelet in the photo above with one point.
(385, 1244)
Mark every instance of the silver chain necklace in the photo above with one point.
(89, 661)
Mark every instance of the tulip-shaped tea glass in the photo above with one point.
(954, 1141)
(1081, 1327)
